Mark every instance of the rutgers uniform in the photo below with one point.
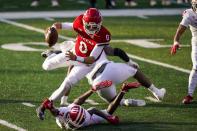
(69, 116)
(85, 43)
(88, 43)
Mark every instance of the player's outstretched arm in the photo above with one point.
(181, 29)
(81, 99)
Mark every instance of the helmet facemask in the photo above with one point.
(91, 27)
(92, 21)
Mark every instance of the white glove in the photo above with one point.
(133, 64)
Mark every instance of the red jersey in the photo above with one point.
(85, 43)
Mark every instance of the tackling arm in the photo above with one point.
(65, 25)
(181, 29)
(81, 99)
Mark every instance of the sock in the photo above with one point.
(122, 102)
(152, 88)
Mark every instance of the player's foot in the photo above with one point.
(40, 112)
(166, 3)
(179, 1)
(153, 2)
(126, 86)
(54, 3)
(34, 3)
(188, 100)
(133, 102)
(102, 85)
(159, 94)
(113, 119)
(130, 4)
(64, 101)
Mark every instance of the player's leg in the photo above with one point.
(125, 88)
(76, 74)
(141, 78)
(193, 75)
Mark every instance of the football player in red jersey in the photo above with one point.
(75, 116)
(88, 47)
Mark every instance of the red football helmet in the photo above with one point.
(75, 117)
(194, 5)
(92, 21)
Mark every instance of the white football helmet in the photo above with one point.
(92, 21)
(194, 5)
(75, 118)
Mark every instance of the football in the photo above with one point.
(51, 36)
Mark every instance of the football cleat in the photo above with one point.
(159, 94)
(102, 85)
(133, 102)
(113, 119)
(35, 3)
(40, 112)
(54, 3)
(188, 100)
(126, 86)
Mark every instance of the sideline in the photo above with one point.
(5, 123)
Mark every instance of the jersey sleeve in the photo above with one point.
(96, 52)
(67, 26)
(105, 38)
(186, 19)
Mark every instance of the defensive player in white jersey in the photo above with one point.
(189, 19)
(118, 73)
(75, 116)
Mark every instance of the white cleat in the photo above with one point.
(134, 102)
(54, 3)
(160, 93)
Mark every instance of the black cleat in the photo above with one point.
(40, 112)
(47, 53)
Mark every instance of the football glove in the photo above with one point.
(175, 47)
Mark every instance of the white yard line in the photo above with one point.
(28, 27)
(160, 63)
(5, 123)
(28, 104)
(69, 38)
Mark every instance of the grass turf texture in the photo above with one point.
(23, 80)
(24, 5)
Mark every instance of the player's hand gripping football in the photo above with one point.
(175, 47)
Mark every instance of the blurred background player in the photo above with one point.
(166, 2)
(189, 19)
(75, 116)
(36, 3)
(130, 3)
(109, 4)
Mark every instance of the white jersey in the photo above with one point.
(190, 19)
(89, 119)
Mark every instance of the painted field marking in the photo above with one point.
(132, 56)
(92, 102)
(5, 123)
(28, 104)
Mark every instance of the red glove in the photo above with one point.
(174, 48)
(113, 119)
(48, 104)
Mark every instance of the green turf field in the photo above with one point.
(22, 78)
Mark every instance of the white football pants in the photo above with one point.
(117, 73)
(77, 73)
(193, 73)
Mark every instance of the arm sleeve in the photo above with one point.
(186, 19)
(96, 52)
(119, 52)
(67, 26)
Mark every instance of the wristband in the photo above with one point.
(80, 59)
(176, 43)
